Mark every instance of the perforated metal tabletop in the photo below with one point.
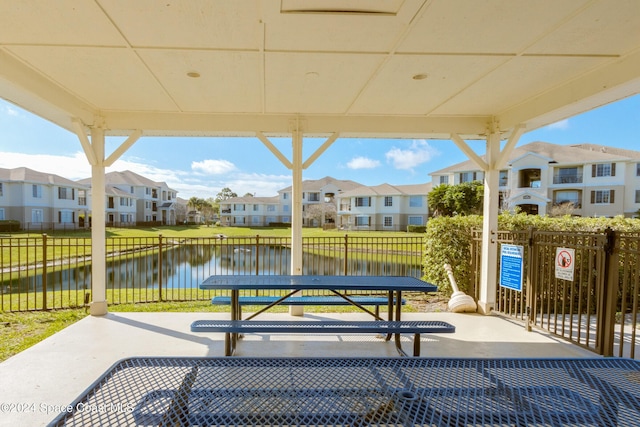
(358, 392)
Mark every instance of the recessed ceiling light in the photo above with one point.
(193, 74)
(420, 76)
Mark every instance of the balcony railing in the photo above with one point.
(567, 179)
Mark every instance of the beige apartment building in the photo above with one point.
(594, 180)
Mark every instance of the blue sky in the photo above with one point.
(203, 166)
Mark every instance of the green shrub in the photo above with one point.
(416, 228)
(9, 225)
(448, 240)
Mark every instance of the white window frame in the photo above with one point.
(360, 202)
(603, 169)
(255, 219)
(416, 201)
(602, 197)
(387, 221)
(388, 201)
(637, 196)
(36, 191)
(66, 216)
(444, 179)
(415, 220)
(37, 216)
(271, 208)
(360, 219)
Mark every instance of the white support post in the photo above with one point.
(489, 261)
(296, 213)
(98, 231)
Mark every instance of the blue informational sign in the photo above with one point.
(511, 266)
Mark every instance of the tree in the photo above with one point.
(225, 194)
(460, 199)
(316, 213)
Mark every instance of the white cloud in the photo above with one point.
(186, 183)
(213, 167)
(363, 163)
(10, 111)
(419, 152)
(71, 167)
(561, 125)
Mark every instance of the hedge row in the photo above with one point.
(448, 240)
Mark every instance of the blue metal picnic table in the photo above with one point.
(338, 285)
(437, 392)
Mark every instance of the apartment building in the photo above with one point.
(40, 200)
(154, 201)
(383, 207)
(261, 211)
(593, 180)
(249, 211)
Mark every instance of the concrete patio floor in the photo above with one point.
(54, 372)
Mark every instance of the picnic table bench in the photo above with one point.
(341, 289)
(318, 300)
(230, 327)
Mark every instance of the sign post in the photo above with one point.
(511, 266)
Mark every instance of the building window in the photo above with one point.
(602, 197)
(415, 220)
(363, 221)
(637, 196)
(388, 201)
(467, 177)
(415, 201)
(238, 207)
(603, 169)
(314, 197)
(444, 179)
(285, 208)
(36, 215)
(503, 179)
(271, 219)
(238, 220)
(1, 193)
(255, 219)
(1, 214)
(285, 196)
(271, 208)
(256, 208)
(388, 221)
(568, 176)
(637, 170)
(363, 201)
(569, 196)
(36, 191)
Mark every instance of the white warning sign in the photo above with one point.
(565, 263)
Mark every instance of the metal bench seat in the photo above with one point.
(321, 300)
(323, 327)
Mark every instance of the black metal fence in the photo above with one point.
(597, 309)
(48, 272)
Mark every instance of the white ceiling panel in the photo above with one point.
(205, 81)
(107, 78)
(342, 66)
(324, 83)
(520, 78)
(399, 88)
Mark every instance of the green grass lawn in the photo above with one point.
(21, 330)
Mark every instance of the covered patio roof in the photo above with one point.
(459, 69)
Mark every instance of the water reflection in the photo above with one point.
(186, 266)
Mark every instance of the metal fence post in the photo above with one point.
(44, 271)
(160, 267)
(257, 254)
(531, 296)
(346, 256)
(610, 283)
